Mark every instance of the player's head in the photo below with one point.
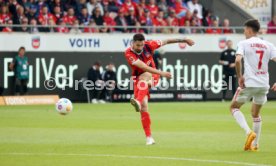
(110, 67)
(229, 44)
(21, 51)
(251, 28)
(97, 65)
(138, 42)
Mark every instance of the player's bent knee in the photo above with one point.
(234, 105)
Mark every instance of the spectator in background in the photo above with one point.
(32, 13)
(187, 17)
(146, 20)
(27, 4)
(20, 66)
(159, 21)
(91, 28)
(44, 16)
(113, 6)
(8, 28)
(226, 27)
(272, 26)
(207, 19)
(33, 29)
(127, 5)
(17, 18)
(70, 17)
(92, 4)
(180, 8)
(109, 21)
(194, 25)
(215, 27)
(131, 19)
(162, 5)
(95, 76)
(121, 21)
(57, 3)
(24, 27)
(80, 5)
(84, 16)
(57, 14)
(52, 25)
(153, 8)
(109, 77)
(99, 20)
(194, 5)
(173, 21)
(4, 14)
(40, 5)
(195, 17)
(227, 59)
(187, 29)
(75, 29)
(62, 27)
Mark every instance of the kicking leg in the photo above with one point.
(238, 115)
(141, 90)
(236, 104)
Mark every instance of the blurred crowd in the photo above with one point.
(96, 16)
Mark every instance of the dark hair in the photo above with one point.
(138, 37)
(254, 24)
(97, 63)
(21, 48)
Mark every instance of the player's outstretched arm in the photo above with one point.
(190, 42)
(149, 69)
(238, 64)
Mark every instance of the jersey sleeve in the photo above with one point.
(240, 49)
(131, 58)
(155, 44)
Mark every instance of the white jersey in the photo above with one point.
(256, 54)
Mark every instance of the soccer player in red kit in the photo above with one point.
(145, 74)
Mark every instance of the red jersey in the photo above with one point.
(69, 19)
(146, 56)
(44, 19)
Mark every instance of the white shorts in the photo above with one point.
(258, 95)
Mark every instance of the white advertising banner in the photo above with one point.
(260, 9)
(111, 42)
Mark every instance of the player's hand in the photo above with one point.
(190, 42)
(274, 87)
(241, 82)
(166, 74)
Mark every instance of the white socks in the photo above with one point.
(257, 126)
(238, 115)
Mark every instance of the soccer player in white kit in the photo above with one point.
(254, 82)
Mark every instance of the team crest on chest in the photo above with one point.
(147, 54)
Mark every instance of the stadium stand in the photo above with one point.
(98, 16)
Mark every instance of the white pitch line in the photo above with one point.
(136, 157)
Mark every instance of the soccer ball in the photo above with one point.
(64, 106)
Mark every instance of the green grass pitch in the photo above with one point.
(202, 133)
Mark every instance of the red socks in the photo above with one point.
(145, 119)
(143, 90)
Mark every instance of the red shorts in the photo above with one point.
(155, 80)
